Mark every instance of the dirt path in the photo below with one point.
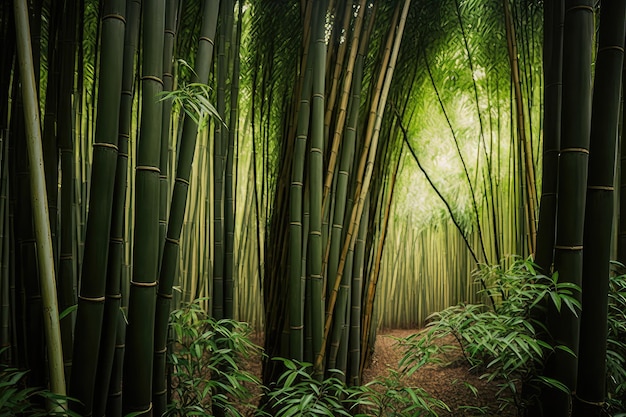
(446, 383)
(442, 382)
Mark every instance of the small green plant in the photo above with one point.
(501, 342)
(298, 393)
(206, 364)
(17, 399)
(616, 344)
(390, 396)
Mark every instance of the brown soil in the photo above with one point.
(446, 383)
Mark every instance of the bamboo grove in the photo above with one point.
(317, 168)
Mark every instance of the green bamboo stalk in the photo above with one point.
(297, 259)
(138, 357)
(347, 159)
(170, 262)
(95, 257)
(171, 10)
(591, 387)
(231, 168)
(39, 201)
(575, 126)
(65, 132)
(49, 134)
(366, 165)
(315, 253)
(219, 162)
(529, 168)
(113, 293)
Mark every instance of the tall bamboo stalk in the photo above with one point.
(553, 64)
(170, 260)
(138, 359)
(39, 200)
(591, 388)
(95, 258)
(316, 152)
(575, 127)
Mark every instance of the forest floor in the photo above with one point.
(443, 382)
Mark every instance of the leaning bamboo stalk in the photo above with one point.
(343, 105)
(39, 200)
(170, 259)
(366, 166)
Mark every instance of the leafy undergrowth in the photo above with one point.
(471, 360)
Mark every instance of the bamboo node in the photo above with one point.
(105, 145)
(182, 181)
(114, 16)
(141, 411)
(164, 295)
(162, 392)
(548, 194)
(91, 299)
(170, 32)
(120, 346)
(117, 296)
(161, 350)
(66, 257)
(572, 248)
(147, 168)
(167, 74)
(117, 240)
(152, 78)
(611, 47)
(174, 241)
(204, 38)
(580, 150)
(581, 7)
(601, 187)
(143, 284)
(300, 327)
(599, 404)
(124, 135)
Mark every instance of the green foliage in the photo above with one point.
(16, 399)
(206, 359)
(389, 396)
(194, 98)
(298, 393)
(504, 343)
(616, 343)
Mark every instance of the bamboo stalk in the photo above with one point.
(39, 200)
